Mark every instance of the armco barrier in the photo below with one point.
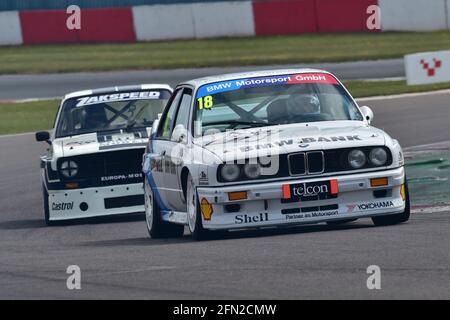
(343, 16)
(10, 30)
(285, 17)
(22, 5)
(413, 15)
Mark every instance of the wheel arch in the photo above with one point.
(183, 178)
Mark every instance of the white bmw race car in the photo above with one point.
(93, 165)
(269, 148)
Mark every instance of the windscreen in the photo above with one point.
(123, 110)
(273, 100)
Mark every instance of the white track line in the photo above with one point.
(16, 135)
(430, 209)
(405, 95)
(428, 146)
(30, 100)
(380, 79)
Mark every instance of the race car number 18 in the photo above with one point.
(205, 102)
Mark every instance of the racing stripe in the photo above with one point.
(156, 194)
(154, 188)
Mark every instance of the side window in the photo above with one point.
(183, 110)
(167, 120)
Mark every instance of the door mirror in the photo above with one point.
(179, 134)
(43, 136)
(367, 113)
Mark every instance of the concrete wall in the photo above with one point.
(10, 30)
(413, 15)
(223, 19)
(220, 19)
(97, 25)
(198, 20)
(163, 22)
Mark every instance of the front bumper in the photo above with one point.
(263, 206)
(95, 202)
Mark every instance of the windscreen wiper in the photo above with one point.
(234, 123)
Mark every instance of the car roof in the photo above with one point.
(117, 89)
(251, 74)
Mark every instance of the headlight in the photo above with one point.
(69, 169)
(230, 172)
(252, 171)
(357, 159)
(378, 157)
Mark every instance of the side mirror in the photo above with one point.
(43, 136)
(155, 126)
(179, 134)
(367, 113)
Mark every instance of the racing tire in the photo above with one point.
(156, 227)
(194, 216)
(48, 222)
(393, 219)
(339, 222)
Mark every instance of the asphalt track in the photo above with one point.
(118, 260)
(15, 87)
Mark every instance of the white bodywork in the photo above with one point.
(66, 201)
(169, 161)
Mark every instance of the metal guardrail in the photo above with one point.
(11, 5)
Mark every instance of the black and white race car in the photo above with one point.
(269, 148)
(93, 164)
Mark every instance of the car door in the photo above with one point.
(155, 165)
(176, 152)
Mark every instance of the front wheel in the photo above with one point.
(395, 218)
(193, 213)
(156, 227)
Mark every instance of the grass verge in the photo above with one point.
(35, 116)
(361, 89)
(308, 48)
(27, 116)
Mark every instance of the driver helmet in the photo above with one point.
(94, 116)
(303, 104)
